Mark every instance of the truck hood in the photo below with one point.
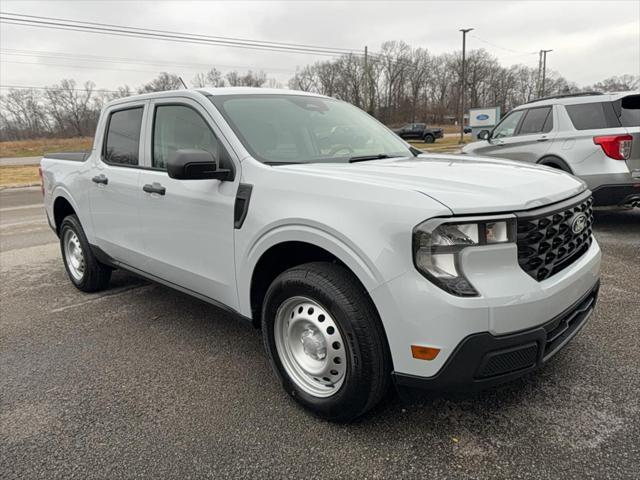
(464, 184)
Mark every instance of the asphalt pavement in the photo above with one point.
(141, 381)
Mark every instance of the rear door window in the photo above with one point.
(593, 116)
(535, 121)
(122, 142)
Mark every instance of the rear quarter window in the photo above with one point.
(629, 108)
(593, 116)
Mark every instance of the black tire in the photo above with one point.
(429, 138)
(96, 275)
(368, 370)
(555, 162)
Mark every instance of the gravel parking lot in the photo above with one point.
(142, 381)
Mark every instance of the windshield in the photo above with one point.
(305, 129)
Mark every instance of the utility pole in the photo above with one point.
(462, 81)
(537, 92)
(366, 79)
(544, 68)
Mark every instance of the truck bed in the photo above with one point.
(69, 156)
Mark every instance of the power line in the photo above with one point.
(346, 50)
(88, 67)
(106, 59)
(135, 32)
(29, 87)
(521, 52)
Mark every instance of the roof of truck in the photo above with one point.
(191, 92)
(253, 91)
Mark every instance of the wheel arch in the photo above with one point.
(555, 162)
(62, 207)
(284, 249)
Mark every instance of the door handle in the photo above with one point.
(100, 179)
(542, 139)
(155, 187)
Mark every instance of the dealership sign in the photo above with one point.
(484, 117)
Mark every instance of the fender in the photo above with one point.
(83, 213)
(319, 235)
(552, 160)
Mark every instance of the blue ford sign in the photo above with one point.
(483, 118)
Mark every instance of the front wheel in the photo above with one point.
(429, 138)
(325, 341)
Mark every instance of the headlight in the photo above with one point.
(437, 247)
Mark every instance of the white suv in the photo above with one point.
(592, 135)
(362, 259)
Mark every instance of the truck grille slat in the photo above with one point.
(548, 241)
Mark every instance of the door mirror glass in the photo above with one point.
(483, 135)
(195, 165)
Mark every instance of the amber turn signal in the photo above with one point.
(424, 353)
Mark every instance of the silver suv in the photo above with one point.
(592, 135)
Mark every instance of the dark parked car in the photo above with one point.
(419, 131)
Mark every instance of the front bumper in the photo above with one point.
(416, 312)
(483, 360)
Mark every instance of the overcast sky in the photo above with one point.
(590, 40)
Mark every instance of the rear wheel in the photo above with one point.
(325, 341)
(84, 270)
(555, 162)
(428, 138)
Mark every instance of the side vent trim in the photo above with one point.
(242, 204)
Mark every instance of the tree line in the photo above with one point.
(405, 84)
(398, 84)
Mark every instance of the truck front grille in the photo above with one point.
(551, 239)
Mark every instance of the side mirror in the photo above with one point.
(196, 165)
(484, 135)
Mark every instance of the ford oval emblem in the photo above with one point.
(482, 116)
(579, 223)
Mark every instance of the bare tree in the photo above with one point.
(164, 81)
(249, 79)
(212, 78)
(401, 84)
(71, 107)
(622, 83)
(23, 115)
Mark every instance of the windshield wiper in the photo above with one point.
(364, 158)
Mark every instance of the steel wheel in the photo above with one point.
(310, 346)
(73, 254)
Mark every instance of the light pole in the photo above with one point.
(544, 69)
(462, 81)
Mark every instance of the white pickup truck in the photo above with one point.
(363, 260)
